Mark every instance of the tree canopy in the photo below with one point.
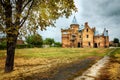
(35, 40)
(116, 40)
(38, 14)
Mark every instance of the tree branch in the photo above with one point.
(25, 18)
(26, 4)
(2, 2)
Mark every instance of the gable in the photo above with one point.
(87, 28)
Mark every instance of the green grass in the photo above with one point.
(114, 53)
(60, 52)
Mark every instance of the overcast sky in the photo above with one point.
(98, 13)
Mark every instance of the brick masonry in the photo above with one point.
(86, 37)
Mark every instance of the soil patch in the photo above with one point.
(63, 71)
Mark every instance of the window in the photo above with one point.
(87, 30)
(88, 43)
(80, 36)
(87, 36)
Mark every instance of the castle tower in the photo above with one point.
(74, 25)
(74, 32)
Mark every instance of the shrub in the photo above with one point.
(3, 45)
(57, 44)
(20, 46)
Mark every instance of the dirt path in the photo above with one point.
(68, 72)
(93, 72)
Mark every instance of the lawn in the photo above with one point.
(43, 61)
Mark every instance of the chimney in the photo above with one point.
(93, 28)
(86, 23)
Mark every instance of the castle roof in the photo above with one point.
(74, 21)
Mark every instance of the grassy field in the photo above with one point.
(45, 60)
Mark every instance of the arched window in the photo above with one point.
(87, 30)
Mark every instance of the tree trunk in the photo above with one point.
(10, 53)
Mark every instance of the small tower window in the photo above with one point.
(87, 30)
(87, 36)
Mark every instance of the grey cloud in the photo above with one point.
(101, 7)
(103, 13)
(98, 13)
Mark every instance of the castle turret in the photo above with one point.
(74, 25)
(74, 21)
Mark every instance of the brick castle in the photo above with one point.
(84, 36)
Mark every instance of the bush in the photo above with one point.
(3, 45)
(57, 44)
(30, 46)
(20, 46)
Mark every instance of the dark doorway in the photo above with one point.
(88, 43)
(79, 45)
(95, 45)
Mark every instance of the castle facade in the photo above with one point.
(84, 37)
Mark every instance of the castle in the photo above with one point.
(84, 36)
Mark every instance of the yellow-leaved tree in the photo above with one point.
(37, 14)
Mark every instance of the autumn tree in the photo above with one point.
(17, 17)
